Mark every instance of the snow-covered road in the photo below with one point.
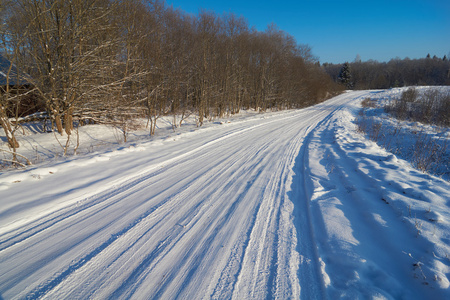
(284, 206)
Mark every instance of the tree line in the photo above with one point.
(111, 61)
(395, 73)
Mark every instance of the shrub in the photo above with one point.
(431, 107)
(368, 102)
(426, 150)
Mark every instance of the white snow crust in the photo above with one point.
(285, 205)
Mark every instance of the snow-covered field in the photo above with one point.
(280, 205)
(426, 146)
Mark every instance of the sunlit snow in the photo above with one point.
(289, 204)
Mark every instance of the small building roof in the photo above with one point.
(5, 64)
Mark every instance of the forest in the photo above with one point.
(395, 73)
(110, 62)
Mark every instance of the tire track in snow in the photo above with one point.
(275, 285)
(234, 267)
(272, 274)
(249, 185)
(64, 273)
(310, 268)
(217, 227)
(39, 225)
(168, 280)
(133, 187)
(259, 271)
(138, 248)
(208, 241)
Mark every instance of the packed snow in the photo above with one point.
(289, 204)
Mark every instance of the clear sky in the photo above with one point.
(339, 30)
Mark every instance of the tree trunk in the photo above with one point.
(4, 122)
(68, 121)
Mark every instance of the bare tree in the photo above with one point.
(112, 62)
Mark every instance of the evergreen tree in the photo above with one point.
(345, 76)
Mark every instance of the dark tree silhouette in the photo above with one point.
(345, 76)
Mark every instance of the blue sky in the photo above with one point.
(337, 31)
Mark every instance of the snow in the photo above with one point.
(424, 145)
(290, 204)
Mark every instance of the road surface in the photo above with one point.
(228, 213)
